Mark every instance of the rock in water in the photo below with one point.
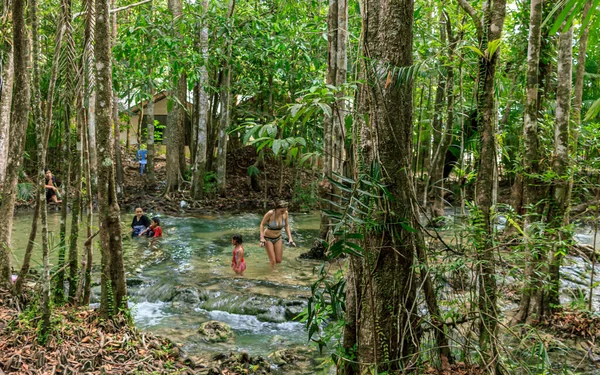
(317, 252)
(214, 331)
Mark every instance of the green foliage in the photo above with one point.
(210, 183)
(305, 197)
(324, 314)
(26, 191)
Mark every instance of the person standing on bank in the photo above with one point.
(140, 222)
(275, 220)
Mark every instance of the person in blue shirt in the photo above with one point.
(141, 157)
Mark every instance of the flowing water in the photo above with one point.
(184, 279)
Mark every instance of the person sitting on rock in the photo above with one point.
(51, 190)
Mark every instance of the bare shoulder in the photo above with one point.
(267, 215)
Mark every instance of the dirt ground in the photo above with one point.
(240, 194)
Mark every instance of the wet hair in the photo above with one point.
(156, 220)
(237, 238)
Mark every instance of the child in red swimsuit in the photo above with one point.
(238, 264)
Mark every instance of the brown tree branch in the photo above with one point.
(473, 13)
(117, 9)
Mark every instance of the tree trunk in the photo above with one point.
(225, 106)
(66, 10)
(5, 104)
(333, 132)
(202, 112)
(76, 206)
(41, 179)
(86, 265)
(494, 12)
(532, 193)
(150, 176)
(18, 128)
(113, 287)
(384, 303)
(116, 122)
(175, 119)
(558, 217)
(443, 134)
(579, 75)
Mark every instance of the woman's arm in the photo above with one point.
(287, 230)
(262, 229)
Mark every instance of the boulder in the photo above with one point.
(214, 331)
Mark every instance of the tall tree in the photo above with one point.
(333, 132)
(6, 90)
(113, 287)
(149, 116)
(490, 32)
(175, 119)
(225, 106)
(580, 72)
(41, 154)
(68, 99)
(443, 133)
(201, 105)
(532, 194)
(116, 122)
(381, 292)
(18, 128)
(560, 191)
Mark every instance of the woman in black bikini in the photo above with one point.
(275, 220)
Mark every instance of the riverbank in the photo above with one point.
(246, 192)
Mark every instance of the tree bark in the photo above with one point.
(443, 134)
(560, 193)
(333, 132)
(202, 112)
(532, 192)
(385, 317)
(76, 206)
(41, 178)
(18, 128)
(84, 287)
(494, 12)
(69, 74)
(116, 122)
(225, 119)
(175, 119)
(90, 94)
(5, 104)
(113, 286)
(150, 176)
(579, 75)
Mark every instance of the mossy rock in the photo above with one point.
(214, 331)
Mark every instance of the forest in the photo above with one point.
(436, 162)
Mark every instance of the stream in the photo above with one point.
(184, 279)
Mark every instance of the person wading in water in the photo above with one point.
(275, 220)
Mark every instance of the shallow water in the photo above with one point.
(184, 279)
